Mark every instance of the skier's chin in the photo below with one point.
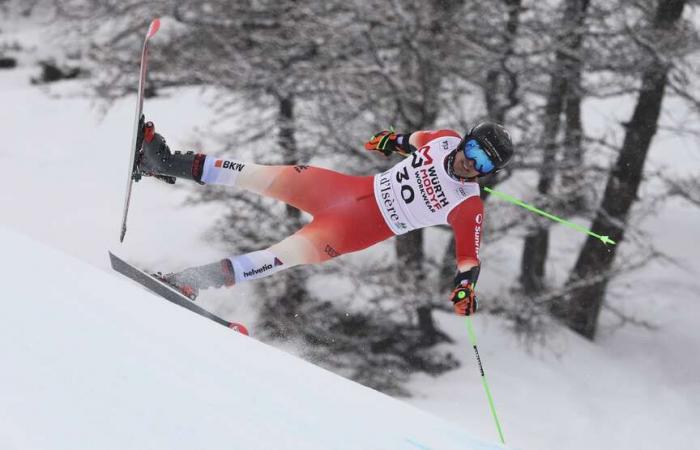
(462, 171)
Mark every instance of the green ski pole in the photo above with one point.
(604, 239)
(484, 382)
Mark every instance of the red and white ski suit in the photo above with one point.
(351, 213)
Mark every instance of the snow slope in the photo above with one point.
(98, 362)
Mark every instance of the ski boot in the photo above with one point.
(155, 159)
(190, 281)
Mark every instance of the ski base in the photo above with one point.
(135, 143)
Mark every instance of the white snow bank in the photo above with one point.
(91, 360)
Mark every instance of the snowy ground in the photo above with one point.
(96, 362)
(63, 182)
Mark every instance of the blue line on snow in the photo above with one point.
(416, 444)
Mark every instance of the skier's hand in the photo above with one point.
(464, 300)
(384, 141)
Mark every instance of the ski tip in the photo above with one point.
(239, 328)
(153, 29)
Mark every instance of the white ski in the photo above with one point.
(135, 141)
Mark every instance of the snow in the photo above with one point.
(98, 362)
(112, 366)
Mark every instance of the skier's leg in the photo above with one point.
(353, 223)
(311, 189)
(292, 251)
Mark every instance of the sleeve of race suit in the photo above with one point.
(466, 220)
(420, 138)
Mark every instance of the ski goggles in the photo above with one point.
(472, 150)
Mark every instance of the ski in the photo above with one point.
(137, 136)
(167, 292)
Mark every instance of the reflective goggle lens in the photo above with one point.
(482, 162)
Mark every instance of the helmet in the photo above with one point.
(495, 141)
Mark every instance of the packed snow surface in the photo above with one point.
(94, 361)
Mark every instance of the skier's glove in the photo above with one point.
(389, 142)
(464, 300)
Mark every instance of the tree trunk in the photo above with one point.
(572, 164)
(567, 68)
(536, 246)
(595, 260)
(572, 167)
(500, 93)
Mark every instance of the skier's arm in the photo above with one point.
(389, 142)
(466, 221)
(417, 139)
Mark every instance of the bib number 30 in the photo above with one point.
(407, 193)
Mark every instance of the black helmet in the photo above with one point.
(495, 141)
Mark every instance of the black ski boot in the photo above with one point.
(155, 159)
(190, 281)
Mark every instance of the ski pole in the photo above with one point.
(472, 338)
(604, 239)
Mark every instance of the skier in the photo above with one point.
(435, 184)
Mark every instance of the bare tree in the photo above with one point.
(564, 85)
(595, 259)
(501, 83)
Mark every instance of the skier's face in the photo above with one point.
(464, 167)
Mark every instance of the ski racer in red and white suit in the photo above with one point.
(435, 184)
